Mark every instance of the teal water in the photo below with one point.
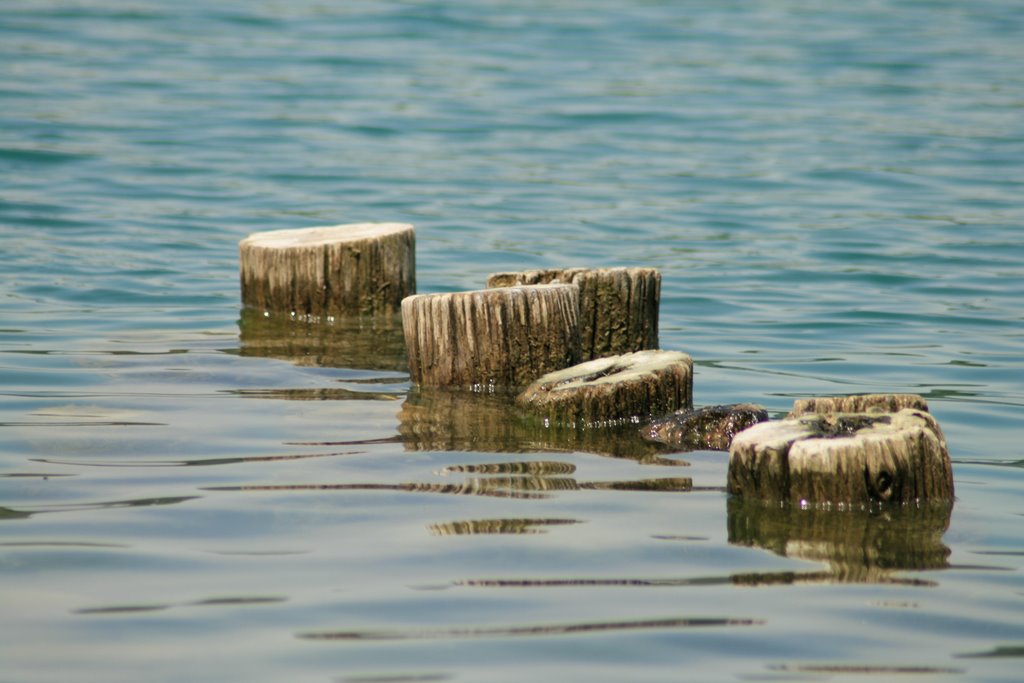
(833, 194)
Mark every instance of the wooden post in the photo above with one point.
(320, 273)
(710, 428)
(843, 459)
(857, 403)
(618, 306)
(495, 338)
(609, 391)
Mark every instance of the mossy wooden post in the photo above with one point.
(618, 306)
(843, 458)
(342, 270)
(495, 338)
(857, 403)
(708, 428)
(608, 391)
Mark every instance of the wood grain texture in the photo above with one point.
(495, 338)
(628, 387)
(618, 306)
(857, 403)
(843, 458)
(324, 272)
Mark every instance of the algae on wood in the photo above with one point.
(857, 403)
(843, 458)
(618, 306)
(708, 428)
(627, 388)
(329, 272)
(495, 338)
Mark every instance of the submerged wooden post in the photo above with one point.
(618, 306)
(342, 270)
(709, 428)
(844, 459)
(608, 391)
(495, 338)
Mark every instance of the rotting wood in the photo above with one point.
(491, 339)
(857, 403)
(843, 458)
(630, 387)
(618, 306)
(325, 272)
(708, 428)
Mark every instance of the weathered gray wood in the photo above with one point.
(324, 272)
(708, 428)
(857, 403)
(843, 458)
(606, 391)
(618, 306)
(494, 338)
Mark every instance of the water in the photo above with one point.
(832, 194)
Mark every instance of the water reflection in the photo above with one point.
(532, 630)
(370, 343)
(8, 513)
(498, 487)
(460, 420)
(860, 546)
(231, 601)
(497, 526)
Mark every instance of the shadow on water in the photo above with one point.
(366, 343)
(859, 546)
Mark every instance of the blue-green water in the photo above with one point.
(832, 191)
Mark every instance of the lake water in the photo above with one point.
(833, 192)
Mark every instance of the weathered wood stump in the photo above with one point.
(607, 391)
(618, 306)
(843, 458)
(324, 272)
(502, 338)
(709, 428)
(857, 403)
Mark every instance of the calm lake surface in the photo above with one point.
(833, 192)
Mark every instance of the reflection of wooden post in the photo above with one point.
(369, 343)
(858, 545)
(618, 306)
(843, 458)
(438, 419)
(344, 270)
(502, 338)
(629, 387)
